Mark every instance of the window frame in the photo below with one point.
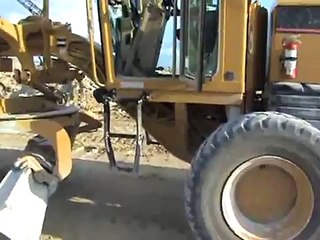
(185, 21)
(281, 29)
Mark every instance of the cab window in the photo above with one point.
(211, 38)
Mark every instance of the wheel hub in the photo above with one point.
(267, 197)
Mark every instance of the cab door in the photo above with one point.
(199, 40)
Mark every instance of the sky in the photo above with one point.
(74, 12)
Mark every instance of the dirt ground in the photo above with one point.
(98, 204)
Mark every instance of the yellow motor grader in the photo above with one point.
(240, 103)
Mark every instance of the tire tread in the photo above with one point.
(257, 121)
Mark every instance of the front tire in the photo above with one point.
(279, 199)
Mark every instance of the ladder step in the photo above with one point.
(123, 135)
(139, 137)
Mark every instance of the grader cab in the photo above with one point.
(240, 103)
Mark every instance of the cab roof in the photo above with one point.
(297, 3)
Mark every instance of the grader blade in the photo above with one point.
(23, 204)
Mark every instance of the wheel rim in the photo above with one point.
(267, 197)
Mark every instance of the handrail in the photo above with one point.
(200, 55)
(91, 40)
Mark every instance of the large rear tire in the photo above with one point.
(257, 177)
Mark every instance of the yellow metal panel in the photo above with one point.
(201, 98)
(298, 2)
(308, 58)
(232, 55)
(14, 35)
(233, 40)
(59, 139)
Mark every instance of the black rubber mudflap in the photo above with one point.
(300, 100)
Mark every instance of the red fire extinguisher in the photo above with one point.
(290, 56)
